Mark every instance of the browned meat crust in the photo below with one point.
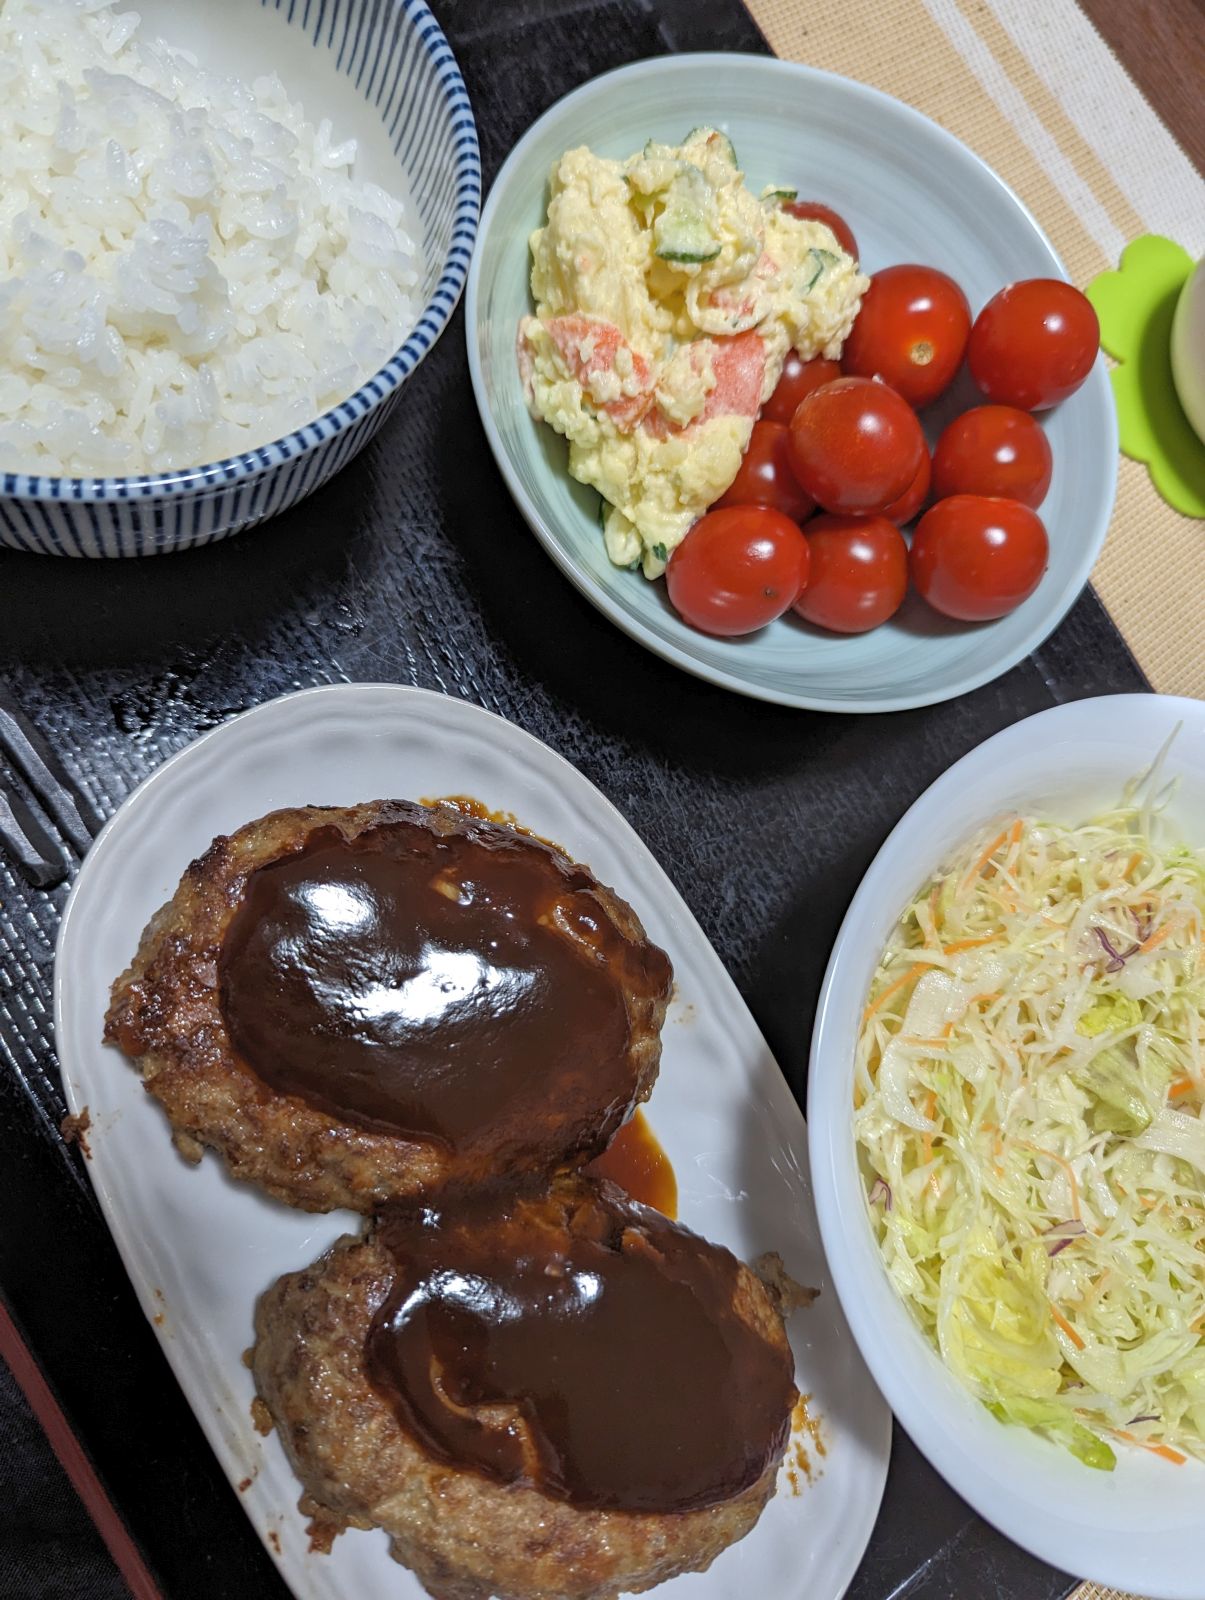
(466, 1536)
(75, 1130)
(788, 1295)
(165, 1012)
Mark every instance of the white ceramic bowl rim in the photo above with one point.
(370, 394)
(723, 65)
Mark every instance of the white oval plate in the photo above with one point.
(1139, 1527)
(910, 192)
(200, 1248)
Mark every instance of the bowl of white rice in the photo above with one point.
(228, 234)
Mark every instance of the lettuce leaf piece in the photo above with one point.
(1111, 1013)
(997, 1330)
(1113, 1080)
(1058, 1424)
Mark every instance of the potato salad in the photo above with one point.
(667, 298)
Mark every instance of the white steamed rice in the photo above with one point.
(187, 268)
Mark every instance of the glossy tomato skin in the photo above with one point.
(737, 569)
(856, 445)
(994, 450)
(975, 558)
(911, 332)
(799, 377)
(858, 576)
(914, 496)
(815, 211)
(766, 477)
(1033, 344)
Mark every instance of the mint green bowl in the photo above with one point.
(911, 192)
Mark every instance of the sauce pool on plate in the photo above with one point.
(636, 1161)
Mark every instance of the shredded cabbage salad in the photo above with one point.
(1029, 1088)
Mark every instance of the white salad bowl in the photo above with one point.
(911, 192)
(1139, 1527)
(384, 74)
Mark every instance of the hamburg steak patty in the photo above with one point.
(539, 1392)
(355, 1003)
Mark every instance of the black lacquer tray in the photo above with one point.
(414, 567)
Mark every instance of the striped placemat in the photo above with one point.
(1034, 90)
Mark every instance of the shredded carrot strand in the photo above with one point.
(1182, 1207)
(915, 970)
(970, 944)
(1066, 1327)
(1067, 1168)
(1014, 838)
(1179, 1088)
(893, 988)
(984, 859)
(930, 1112)
(1158, 936)
(1164, 1450)
(934, 899)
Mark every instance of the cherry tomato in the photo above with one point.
(815, 211)
(974, 557)
(914, 496)
(1033, 344)
(855, 445)
(859, 573)
(994, 450)
(737, 569)
(799, 377)
(766, 477)
(911, 332)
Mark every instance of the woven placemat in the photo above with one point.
(1035, 92)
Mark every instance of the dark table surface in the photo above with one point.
(414, 567)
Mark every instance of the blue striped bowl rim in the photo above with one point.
(370, 394)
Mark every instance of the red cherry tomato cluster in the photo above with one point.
(838, 463)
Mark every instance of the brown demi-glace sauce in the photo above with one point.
(564, 1338)
(634, 1159)
(447, 983)
(636, 1162)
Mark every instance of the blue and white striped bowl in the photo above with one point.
(385, 74)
